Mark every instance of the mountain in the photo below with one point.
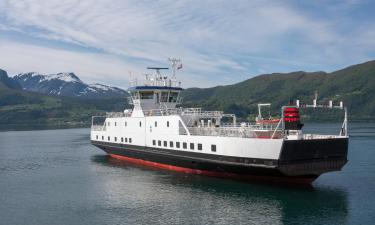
(21, 109)
(355, 85)
(8, 82)
(65, 84)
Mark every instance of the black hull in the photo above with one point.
(303, 169)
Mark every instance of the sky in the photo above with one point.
(219, 41)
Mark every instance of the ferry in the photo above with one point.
(158, 133)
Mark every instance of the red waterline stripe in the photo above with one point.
(301, 181)
(167, 167)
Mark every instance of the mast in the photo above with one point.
(174, 62)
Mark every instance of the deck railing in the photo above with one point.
(98, 128)
(183, 112)
(126, 113)
(319, 136)
(250, 131)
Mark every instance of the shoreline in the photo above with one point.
(60, 126)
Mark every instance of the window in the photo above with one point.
(177, 144)
(115, 138)
(109, 138)
(164, 97)
(115, 123)
(140, 123)
(147, 95)
(126, 139)
(171, 144)
(184, 145)
(153, 142)
(213, 148)
(159, 143)
(97, 137)
(173, 96)
(122, 139)
(102, 137)
(192, 146)
(165, 143)
(130, 140)
(108, 123)
(199, 146)
(167, 123)
(156, 124)
(126, 123)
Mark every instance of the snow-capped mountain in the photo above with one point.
(65, 84)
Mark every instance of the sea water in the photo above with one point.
(58, 177)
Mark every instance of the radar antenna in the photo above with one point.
(157, 69)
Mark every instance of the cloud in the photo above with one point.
(91, 67)
(218, 41)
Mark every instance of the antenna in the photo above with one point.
(174, 62)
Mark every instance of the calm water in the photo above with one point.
(57, 177)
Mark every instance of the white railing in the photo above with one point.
(98, 127)
(235, 131)
(126, 113)
(155, 82)
(319, 136)
(184, 112)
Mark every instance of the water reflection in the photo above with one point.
(177, 197)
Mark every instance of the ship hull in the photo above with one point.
(299, 163)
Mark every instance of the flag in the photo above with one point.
(179, 66)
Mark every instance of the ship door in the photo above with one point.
(157, 97)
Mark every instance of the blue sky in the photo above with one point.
(220, 42)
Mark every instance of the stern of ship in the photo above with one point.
(313, 157)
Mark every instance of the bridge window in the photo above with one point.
(147, 95)
(164, 97)
(192, 146)
(199, 146)
(173, 96)
(213, 148)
